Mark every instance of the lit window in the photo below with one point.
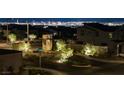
(110, 35)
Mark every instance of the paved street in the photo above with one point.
(111, 69)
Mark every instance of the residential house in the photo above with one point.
(102, 35)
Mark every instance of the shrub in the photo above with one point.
(92, 50)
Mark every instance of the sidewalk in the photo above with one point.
(54, 72)
(104, 60)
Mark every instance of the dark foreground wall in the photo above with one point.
(11, 60)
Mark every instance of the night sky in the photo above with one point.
(61, 19)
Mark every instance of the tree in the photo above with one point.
(64, 52)
(12, 38)
(32, 37)
(25, 48)
(60, 45)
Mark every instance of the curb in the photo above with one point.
(103, 60)
(54, 72)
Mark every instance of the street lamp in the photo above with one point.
(7, 33)
(27, 31)
(118, 46)
(39, 50)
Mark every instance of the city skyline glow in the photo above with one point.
(62, 19)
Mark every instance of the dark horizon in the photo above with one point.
(114, 20)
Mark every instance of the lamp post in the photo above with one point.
(27, 31)
(40, 58)
(118, 45)
(7, 33)
(40, 50)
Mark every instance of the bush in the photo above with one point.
(92, 50)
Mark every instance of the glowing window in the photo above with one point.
(110, 35)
